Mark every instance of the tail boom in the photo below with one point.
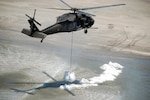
(36, 34)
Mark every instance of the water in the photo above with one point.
(23, 66)
(136, 85)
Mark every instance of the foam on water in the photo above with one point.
(110, 73)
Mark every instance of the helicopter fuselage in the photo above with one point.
(70, 22)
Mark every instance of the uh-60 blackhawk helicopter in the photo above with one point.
(68, 22)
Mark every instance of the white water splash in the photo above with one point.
(110, 73)
(69, 76)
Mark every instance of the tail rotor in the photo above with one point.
(33, 19)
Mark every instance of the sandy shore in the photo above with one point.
(120, 29)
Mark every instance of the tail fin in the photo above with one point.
(33, 27)
(32, 22)
(34, 31)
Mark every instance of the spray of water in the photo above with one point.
(110, 73)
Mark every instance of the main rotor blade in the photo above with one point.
(50, 76)
(59, 9)
(90, 8)
(85, 13)
(70, 92)
(24, 82)
(67, 90)
(65, 3)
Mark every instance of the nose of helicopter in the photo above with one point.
(91, 21)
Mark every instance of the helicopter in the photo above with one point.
(68, 22)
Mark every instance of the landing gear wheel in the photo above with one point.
(85, 31)
(42, 40)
